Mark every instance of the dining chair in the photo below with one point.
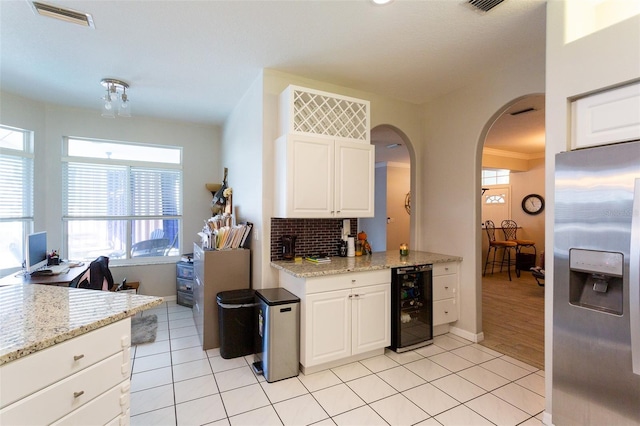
(495, 245)
(523, 261)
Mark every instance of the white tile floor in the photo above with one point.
(452, 382)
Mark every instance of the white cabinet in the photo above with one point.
(606, 117)
(321, 177)
(85, 378)
(344, 317)
(445, 289)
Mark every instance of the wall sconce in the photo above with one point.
(115, 99)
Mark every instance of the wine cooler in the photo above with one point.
(411, 307)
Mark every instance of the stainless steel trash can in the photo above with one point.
(278, 334)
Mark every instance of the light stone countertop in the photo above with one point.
(372, 262)
(34, 317)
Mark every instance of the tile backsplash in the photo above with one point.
(314, 236)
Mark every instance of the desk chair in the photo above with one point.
(494, 245)
(523, 260)
(96, 277)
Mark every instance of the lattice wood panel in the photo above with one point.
(322, 113)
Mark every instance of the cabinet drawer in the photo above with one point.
(53, 402)
(185, 298)
(444, 268)
(53, 364)
(348, 280)
(444, 286)
(445, 311)
(184, 285)
(111, 404)
(184, 270)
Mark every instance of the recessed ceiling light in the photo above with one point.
(381, 1)
(67, 15)
(394, 145)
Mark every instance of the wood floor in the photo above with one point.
(513, 316)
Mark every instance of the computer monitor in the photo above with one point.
(36, 250)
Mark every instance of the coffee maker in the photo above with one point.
(289, 247)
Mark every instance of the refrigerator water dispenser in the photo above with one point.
(595, 280)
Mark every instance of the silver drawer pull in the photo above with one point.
(78, 357)
(78, 394)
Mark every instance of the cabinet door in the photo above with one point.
(607, 117)
(354, 168)
(328, 330)
(310, 177)
(371, 318)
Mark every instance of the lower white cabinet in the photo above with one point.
(445, 289)
(84, 380)
(342, 316)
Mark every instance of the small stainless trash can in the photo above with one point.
(236, 322)
(278, 334)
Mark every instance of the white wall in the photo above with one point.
(243, 153)
(376, 227)
(603, 59)
(455, 126)
(52, 122)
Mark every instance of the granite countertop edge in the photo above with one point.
(23, 334)
(372, 262)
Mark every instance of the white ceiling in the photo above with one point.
(193, 60)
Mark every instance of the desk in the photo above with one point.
(59, 280)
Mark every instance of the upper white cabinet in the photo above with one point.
(313, 112)
(606, 117)
(324, 163)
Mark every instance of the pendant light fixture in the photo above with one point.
(116, 99)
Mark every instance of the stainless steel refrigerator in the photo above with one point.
(596, 323)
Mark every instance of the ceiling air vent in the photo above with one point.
(522, 111)
(66, 15)
(485, 5)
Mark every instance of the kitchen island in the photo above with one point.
(65, 354)
(345, 304)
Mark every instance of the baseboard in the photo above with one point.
(170, 298)
(475, 338)
(546, 418)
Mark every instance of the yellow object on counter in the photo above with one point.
(404, 249)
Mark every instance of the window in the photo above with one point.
(121, 200)
(16, 203)
(495, 199)
(495, 177)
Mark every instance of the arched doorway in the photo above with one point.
(513, 168)
(392, 223)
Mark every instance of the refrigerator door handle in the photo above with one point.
(634, 280)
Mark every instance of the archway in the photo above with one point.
(393, 222)
(513, 310)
